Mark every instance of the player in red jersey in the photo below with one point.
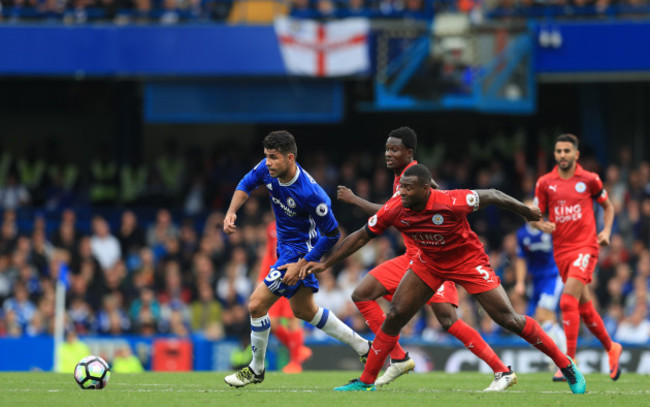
(290, 335)
(436, 221)
(568, 193)
(382, 281)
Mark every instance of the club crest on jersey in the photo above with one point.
(581, 187)
(291, 203)
(321, 209)
(437, 219)
(372, 221)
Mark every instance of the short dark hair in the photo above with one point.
(282, 141)
(421, 172)
(569, 138)
(407, 135)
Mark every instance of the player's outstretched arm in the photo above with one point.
(238, 199)
(520, 274)
(505, 201)
(343, 249)
(608, 220)
(345, 194)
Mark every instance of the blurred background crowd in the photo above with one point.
(142, 249)
(256, 11)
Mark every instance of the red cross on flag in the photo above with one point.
(335, 48)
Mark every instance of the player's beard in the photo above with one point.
(567, 165)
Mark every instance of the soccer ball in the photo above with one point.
(92, 372)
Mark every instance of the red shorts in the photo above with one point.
(281, 309)
(475, 278)
(390, 273)
(578, 264)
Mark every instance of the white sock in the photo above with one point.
(260, 329)
(331, 325)
(556, 333)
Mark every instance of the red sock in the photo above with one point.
(535, 335)
(475, 343)
(296, 342)
(283, 335)
(381, 348)
(374, 317)
(570, 322)
(595, 324)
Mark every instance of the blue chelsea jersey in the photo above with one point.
(302, 208)
(536, 248)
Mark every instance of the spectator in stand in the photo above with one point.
(206, 312)
(161, 230)
(67, 236)
(146, 303)
(302, 9)
(13, 195)
(105, 247)
(20, 305)
(173, 289)
(81, 316)
(111, 318)
(636, 327)
(130, 235)
(351, 8)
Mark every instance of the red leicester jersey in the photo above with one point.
(570, 206)
(271, 241)
(411, 247)
(440, 231)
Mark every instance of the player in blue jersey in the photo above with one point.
(306, 230)
(535, 257)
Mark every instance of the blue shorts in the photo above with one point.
(274, 279)
(546, 293)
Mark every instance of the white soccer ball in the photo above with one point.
(92, 373)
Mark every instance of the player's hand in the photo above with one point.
(292, 276)
(520, 289)
(603, 238)
(532, 213)
(229, 223)
(546, 227)
(312, 267)
(345, 194)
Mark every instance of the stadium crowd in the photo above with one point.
(133, 269)
(238, 11)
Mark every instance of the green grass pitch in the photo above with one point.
(311, 389)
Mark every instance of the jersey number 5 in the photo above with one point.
(485, 274)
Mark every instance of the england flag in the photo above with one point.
(336, 48)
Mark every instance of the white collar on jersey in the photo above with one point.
(532, 230)
(295, 177)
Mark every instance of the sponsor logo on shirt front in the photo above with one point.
(284, 207)
(428, 239)
(567, 213)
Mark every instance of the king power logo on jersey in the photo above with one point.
(428, 239)
(567, 213)
(335, 48)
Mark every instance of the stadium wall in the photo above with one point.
(170, 354)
